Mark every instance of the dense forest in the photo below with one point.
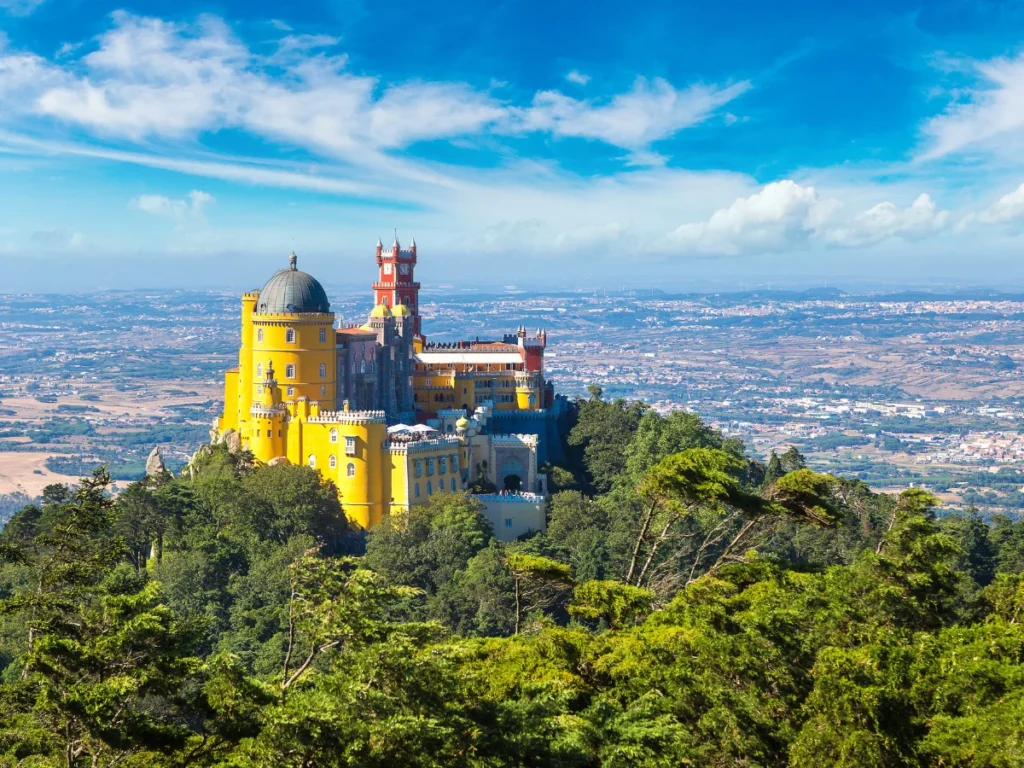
(686, 606)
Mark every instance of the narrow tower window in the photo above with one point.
(312, 461)
(259, 370)
(289, 336)
(289, 371)
(333, 461)
(351, 470)
(259, 335)
(323, 370)
(334, 435)
(323, 335)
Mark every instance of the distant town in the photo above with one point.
(898, 390)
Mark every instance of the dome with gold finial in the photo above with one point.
(381, 310)
(462, 423)
(290, 291)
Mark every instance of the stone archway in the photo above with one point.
(513, 483)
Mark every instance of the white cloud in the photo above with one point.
(786, 214)
(151, 79)
(990, 112)
(885, 220)
(1007, 208)
(20, 7)
(782, 214)
(652, 110)
(575, 76)
(191, 207)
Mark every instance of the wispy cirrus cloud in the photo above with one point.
(153, 79)
(20, 7)
(990, 111)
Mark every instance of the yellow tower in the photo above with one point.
(267, 420)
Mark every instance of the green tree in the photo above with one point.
(538, 583)
(616, 604)
(603, 430)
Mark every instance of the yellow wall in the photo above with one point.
(307, 353)
(466, 388)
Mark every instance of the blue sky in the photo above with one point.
(678, 145)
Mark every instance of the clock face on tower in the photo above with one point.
(387, 269)
(403, 268)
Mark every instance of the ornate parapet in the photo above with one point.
(348, 417)
(448, 443)
(509, 498)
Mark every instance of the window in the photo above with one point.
(312, 461)
(350, 446)
(455, 462)
(430, 467)
(453, 485)
(291, 391)
(323, 370)
(269, 434)
(371, 367)
(289, 336)
(419, 468)
(333, 461)
(350, 470)
(259, 390)
(323, 391)
(429, 382)
(416, 491)
(323, 335)
(444, 465)
(508, 522)
(259, 370)
(259, 335)
(362, 366)
(289, 371)
(430, 488)
(334, 435)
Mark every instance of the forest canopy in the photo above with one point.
(687, 605)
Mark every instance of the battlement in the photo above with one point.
(527, 440)
(348, 417)
(521, 414)
(445, 442)
(503, 498)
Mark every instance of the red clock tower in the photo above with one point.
(395, 283)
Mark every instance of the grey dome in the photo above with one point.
(290, 291)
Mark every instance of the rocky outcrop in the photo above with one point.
(155, 464)
(278, 460)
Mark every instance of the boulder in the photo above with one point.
(155, 464)
(278, 460)
(233, 441)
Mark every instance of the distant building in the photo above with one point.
(389, 417)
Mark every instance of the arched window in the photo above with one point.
(312, 461)
(350, 470)
(333, 461)
(259, 335)
(453, 485)
(323, 335)
(259, 370)
(323, 391)
(430, 488)
(371, 366)
(334, 435)
(362, 366)
(289, 371)
(289, 336)
(323, 370)
(416, 491)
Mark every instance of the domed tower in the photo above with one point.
(287, 326)
(293, 328)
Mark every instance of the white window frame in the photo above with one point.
(333, 461)
(323, 335)
(312, 461)
(259, 370)
(291, 391)
(350, 445)
(350, 470)
(259, 335)
(289, 371)
(334, 434)
(289, 336)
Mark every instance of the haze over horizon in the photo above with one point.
(684, 147)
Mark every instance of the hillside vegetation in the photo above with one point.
(686, 606)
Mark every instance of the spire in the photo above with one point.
(395, 244)
(413, 243)
(293, 261)
(379, 243)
